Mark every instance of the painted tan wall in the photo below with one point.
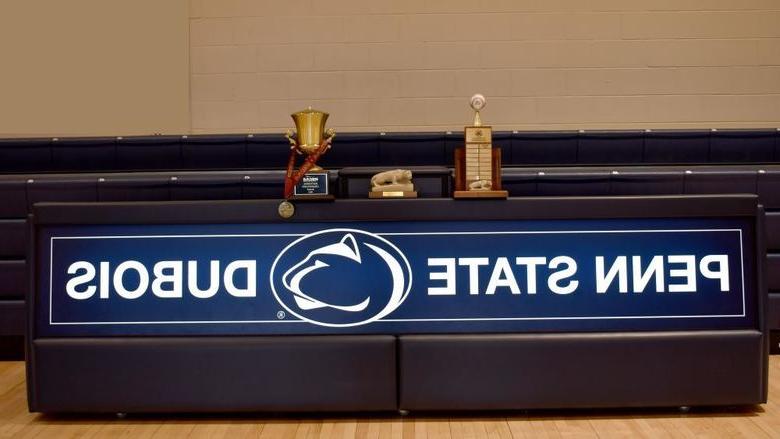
(543, 64)
(93, 67)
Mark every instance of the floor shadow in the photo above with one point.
(318, 417)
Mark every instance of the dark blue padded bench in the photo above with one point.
(61, 187)
(743, 146)
(350, 148)
(566, 182)
(139, 153)
(265, 151)
(658, 181)
(411, 149)
(676, 146)
(84, 154)
(134, 187)
(217, 151)
(206, 186)
(602, 147)
(13, 279)
(25, 155)
(543, 148)
(13, 197)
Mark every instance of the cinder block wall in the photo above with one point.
(93, 67)
(543, 64)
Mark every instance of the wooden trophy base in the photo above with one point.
(481, 194)
(461, 191)
(393, 194)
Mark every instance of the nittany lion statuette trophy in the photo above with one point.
(477, 163)
(311, 139)
(396, 183)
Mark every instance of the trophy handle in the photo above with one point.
(330, 133)
(290, 136)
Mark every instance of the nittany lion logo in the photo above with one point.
(341, 277)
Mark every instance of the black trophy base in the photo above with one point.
(313, 198)
(313, 186)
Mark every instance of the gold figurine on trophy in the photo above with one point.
(478, 163)
(311, 139)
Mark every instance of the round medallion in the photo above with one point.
(286, 209)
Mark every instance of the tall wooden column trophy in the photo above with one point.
(309, 181)
(477, 163)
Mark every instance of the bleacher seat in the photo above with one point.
(13, 318)
(13, 197)
(207, 186)
(773, 272)
(20, 155)
(148, 153)
(13, 239)
(411, 149)
(769, 188)
(773, 311)
(350, 148)
(777, 146)
(61, 188)
(743, 146)
(602, 147)
(263, 185)
(214, 151)
(575, 182)
(544, 148)
(677, 146)
(13, 279)
(772, 226)
(721, 181)
(646, 182)
(519, 182)
(129, 187)
(503, 141)
(452, 141)
(82, 154)
(267, 151)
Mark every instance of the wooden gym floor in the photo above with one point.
(750, 422)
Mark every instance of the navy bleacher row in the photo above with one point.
(20, 191)
(244, 167)
(269, 151)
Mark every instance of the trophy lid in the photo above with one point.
(310, 126)
(308, 110)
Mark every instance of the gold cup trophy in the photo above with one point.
(478, 163)
(310, 139)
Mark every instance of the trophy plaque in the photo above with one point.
(309, 181)
(392, 184)
(478, 163)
